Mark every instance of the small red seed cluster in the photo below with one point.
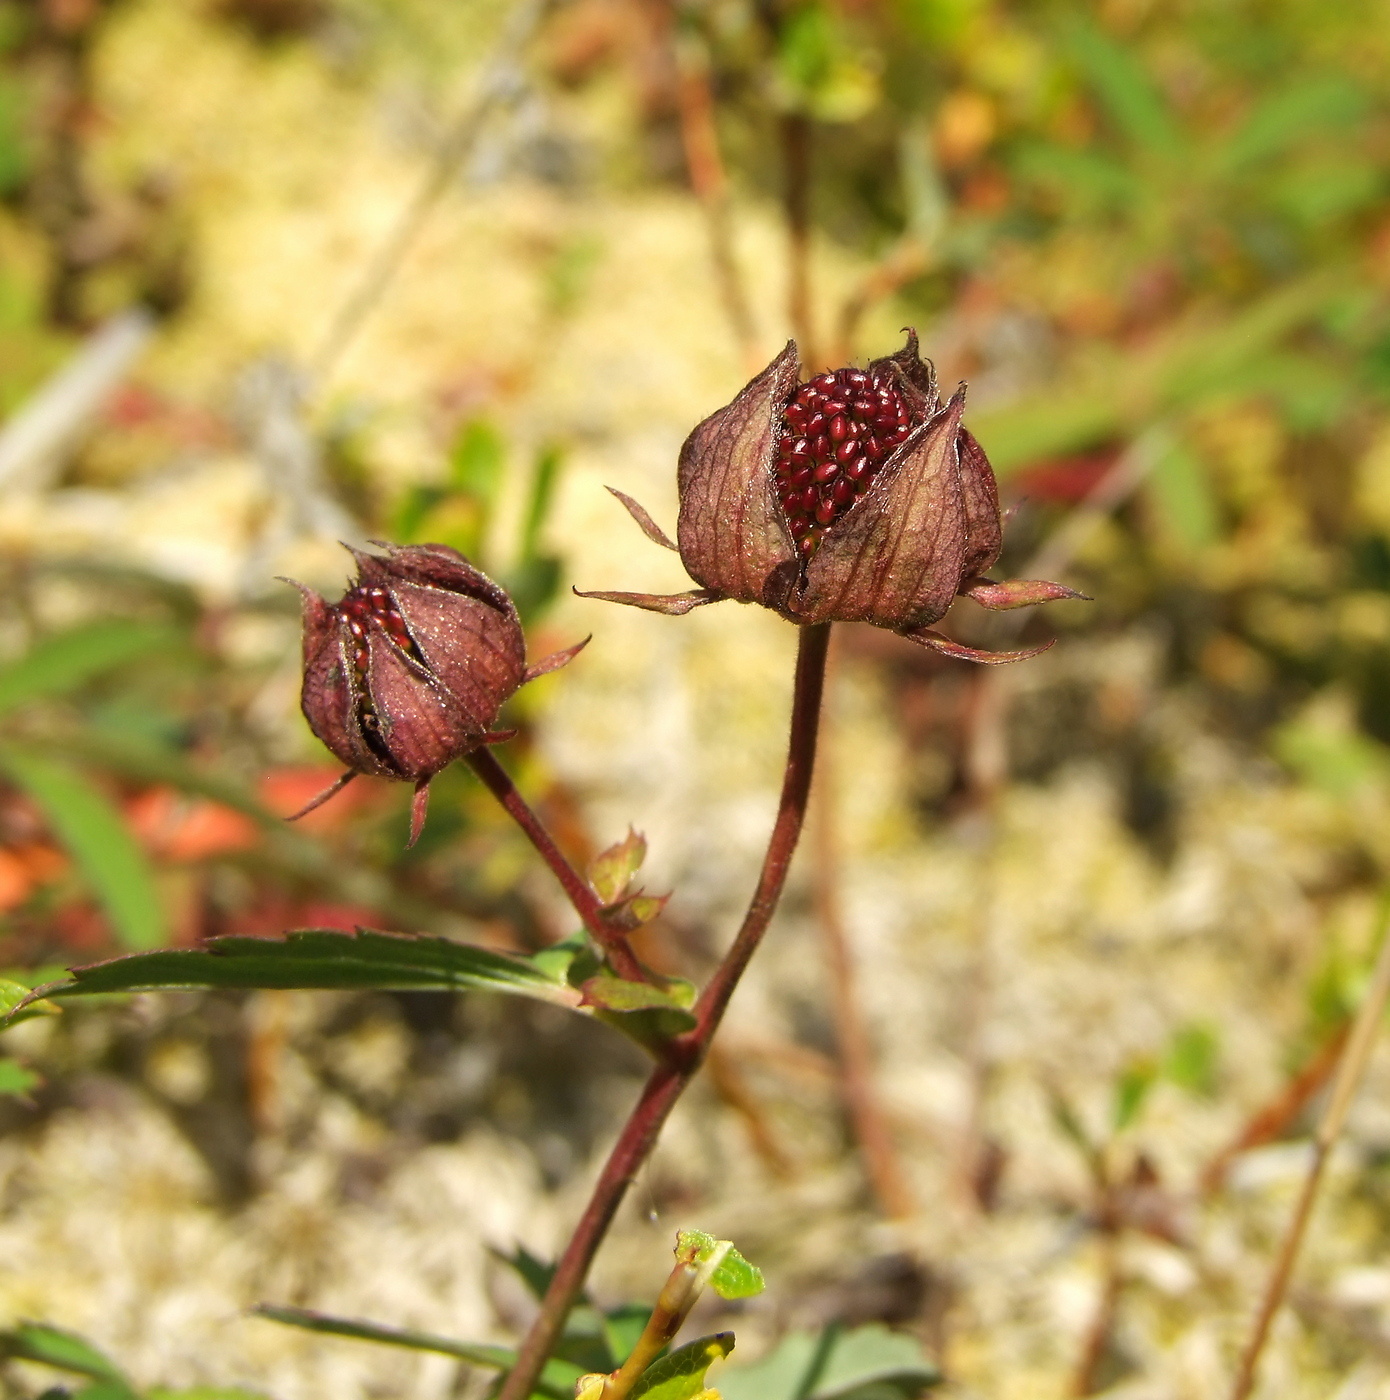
(838, 431)
(361, 606)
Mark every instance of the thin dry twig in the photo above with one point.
(907, 259)
(500, 83)
(704, 163)
(731, 1084)
(856, 1055)
(1272, 1119)
(1098, 1334)
(796, 203)
(1350, 1069)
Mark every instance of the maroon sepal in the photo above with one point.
(672, 604)
(555, 660)
(925, 637)
(419, 806)
(1016, 592)
(638, 512)
(332, 790)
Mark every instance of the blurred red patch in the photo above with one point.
(1065, 479)
(276, 914)
(287, 790)
(24, 868)
(182, 828)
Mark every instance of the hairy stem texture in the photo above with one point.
(671, 1077)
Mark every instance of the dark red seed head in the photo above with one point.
(362, 606)
(836, 433)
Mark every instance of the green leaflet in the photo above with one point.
(681, 1375)
(734, 1277)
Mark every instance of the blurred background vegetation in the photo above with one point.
(275, 273)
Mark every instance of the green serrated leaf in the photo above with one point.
(62, 663)
(734, 1277)
(67, 1351)
(99, 841)
(322, 959)
(681, 1374)
(613, 871)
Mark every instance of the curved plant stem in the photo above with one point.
(586, 903)
(1350, 1068)
(670, 1078)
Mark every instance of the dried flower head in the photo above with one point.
(408, 670)
(856, 497)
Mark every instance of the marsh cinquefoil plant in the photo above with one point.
(858, 496)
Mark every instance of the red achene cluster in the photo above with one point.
(837, 432)
(360, 606)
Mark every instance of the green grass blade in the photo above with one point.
(101, 844)
(61, 663)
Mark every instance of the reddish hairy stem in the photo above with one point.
(670, 1078)
(586, 903)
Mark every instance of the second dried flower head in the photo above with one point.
(856, 497)
(408, 670)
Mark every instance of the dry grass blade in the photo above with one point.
(1350, 1069)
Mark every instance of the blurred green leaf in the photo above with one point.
(1192, 1058)
(1338, 761)
(1309, 107)
(11, 995)
(534, 1272)
(95, 834)
(622, 1327)
(1125, 90)
(863, 1363)
(479, 1353)
(1131, 1089)
(557, 1381)
(734, 1277)
(205, 1392)
(16, 1078)
(66, 1351)
(321, 959)
(1181, 492)
(62, 663)
(681, 1374)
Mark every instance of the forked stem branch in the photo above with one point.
(671, 1077)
